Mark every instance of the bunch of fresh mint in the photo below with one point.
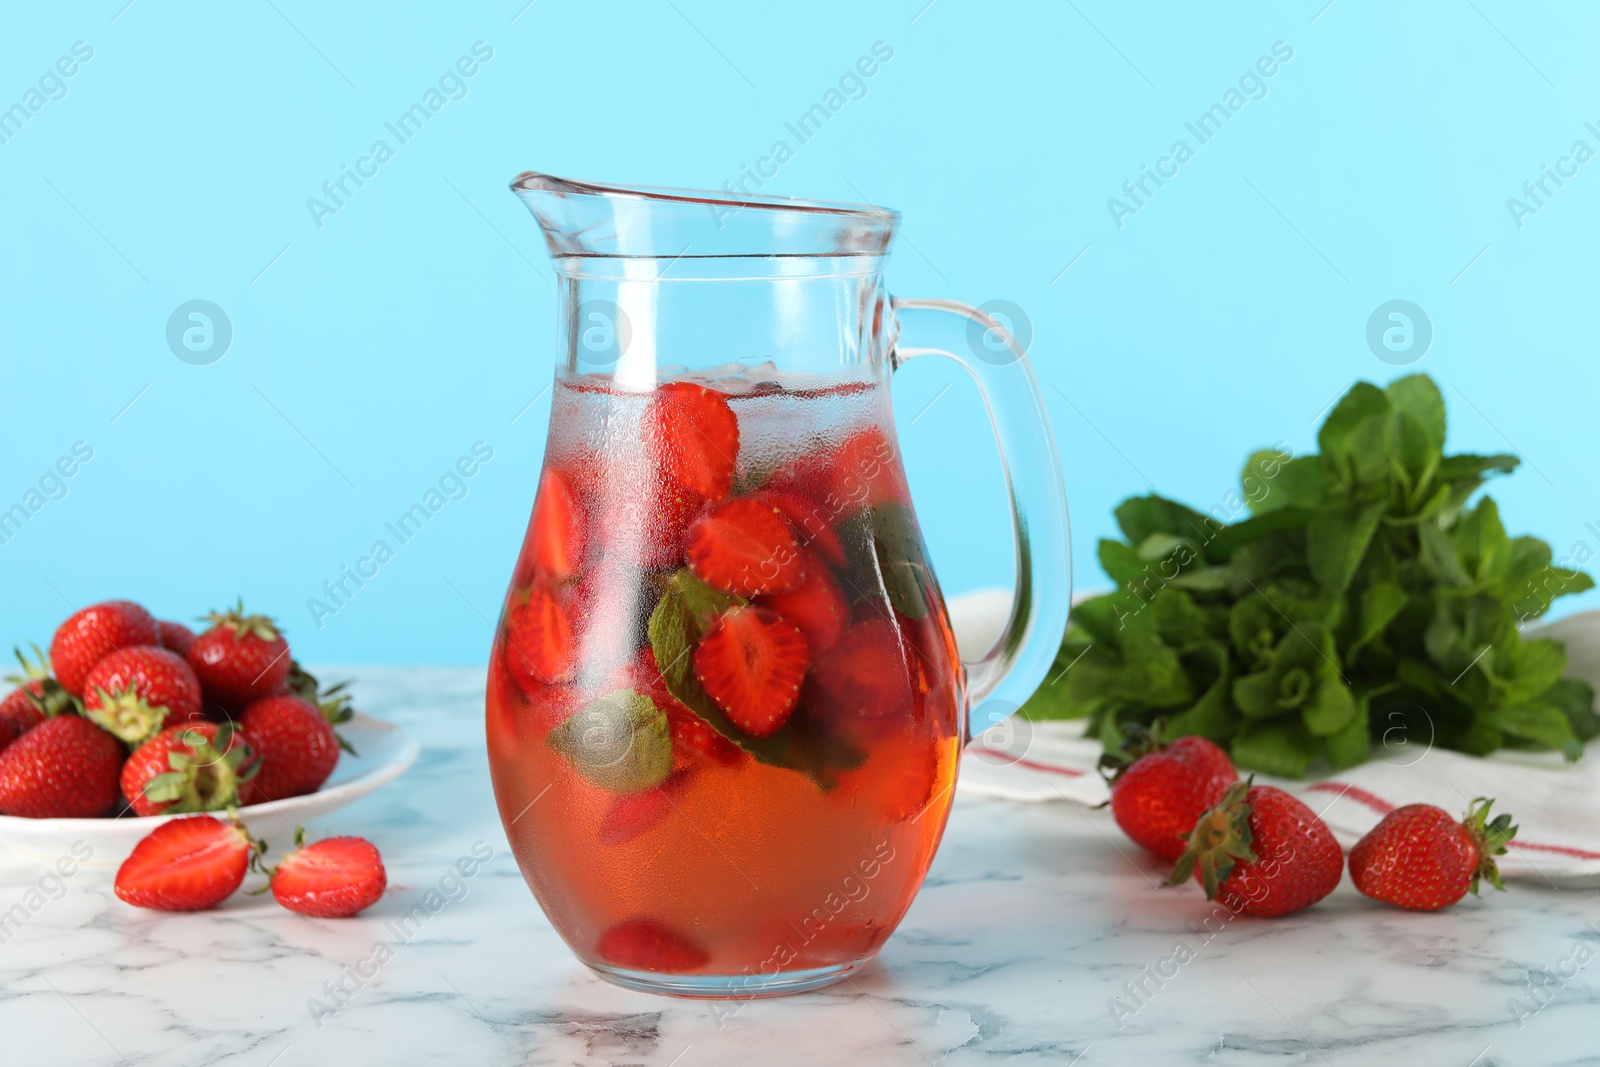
(1362, 600)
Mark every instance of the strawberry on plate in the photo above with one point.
(187, 865)
(135, 691)
(1420, 858)
(240, 658)
(19, 712)
(64, 768)
(295, 742)
(176, 636)
(539, 645)
(330, 879)
(1261, 852)
(648, 945)
(197, 766)
(693, 436)
(745, 547)
(1159, 789)
(751, 662)
(89, 635)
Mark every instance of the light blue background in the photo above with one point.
(371, 353)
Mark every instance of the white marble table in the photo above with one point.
(1033, 920)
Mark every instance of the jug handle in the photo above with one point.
(999, 683)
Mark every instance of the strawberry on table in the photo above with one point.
(89, 635)
(1159, 789)
(240, 658)
(187, 865)
(176, 636)
(64, 768)
(295, 743)
(135, 691)
(1420, 858)
(693, 436)
(1261, 852)
(330, 879)
(649, 945)
(197, 766)
(745, 547)
(751, 661)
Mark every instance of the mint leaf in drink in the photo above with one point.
(1371, 589)
(620, 742)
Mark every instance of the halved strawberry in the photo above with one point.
(864, 675)
(631, 814)
(745, 547)
(907, 783)
(811, 523)
(556, 530)
(817, 606)
(648, 945)
(751, 661)
(330, 879)
(693, 435)
(538, 639)
(186, 865)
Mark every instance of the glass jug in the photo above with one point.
(724, 702)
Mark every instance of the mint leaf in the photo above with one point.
(1285, 749)
(620, 742)
(1336, 541)
(1419, 398)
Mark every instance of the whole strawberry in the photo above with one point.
(1159, 789)
(1261, 852)
(331, 879)
(187, 864)
(88, 635)
(1419, 857)
(197, 766)
(295, 741)
(240, 658)
(136, 691)
(38, 696)
(176, 636)
(63, 768)
(19, 712)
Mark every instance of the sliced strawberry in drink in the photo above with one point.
(556, 530)
(816, 606)
(631, 814)
(691, 735)
(864, 675)
(745, 547)
(539, 645)
(751, 661)
(866, 470)
(693, 435)
(645, 524)
(648, 945)
(811, 523)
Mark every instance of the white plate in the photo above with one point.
(386, 750)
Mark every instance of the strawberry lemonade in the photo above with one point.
(724, 700)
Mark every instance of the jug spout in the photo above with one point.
(587, 219)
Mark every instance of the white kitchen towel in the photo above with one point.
(1555, 804)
